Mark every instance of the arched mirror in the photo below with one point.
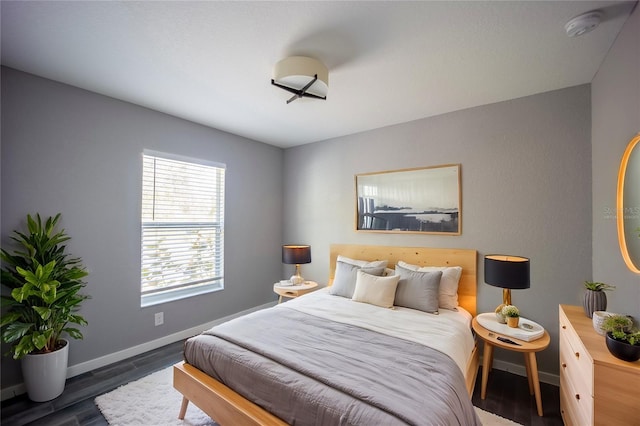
(628, 205)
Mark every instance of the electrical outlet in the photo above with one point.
(159, 318)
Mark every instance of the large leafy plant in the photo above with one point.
(45, 284)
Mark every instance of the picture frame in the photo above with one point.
(423, 200)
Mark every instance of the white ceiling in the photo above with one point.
(389, 62)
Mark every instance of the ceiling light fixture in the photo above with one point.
(582, 24)
(302, 76)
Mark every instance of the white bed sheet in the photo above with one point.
(449, 332)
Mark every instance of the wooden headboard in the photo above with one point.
(422, 256)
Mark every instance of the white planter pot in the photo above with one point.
(45, 374)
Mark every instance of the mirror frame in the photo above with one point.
(620, 211)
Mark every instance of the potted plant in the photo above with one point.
(512, 314)
(623, 341)
(44, 284)
(594, 298)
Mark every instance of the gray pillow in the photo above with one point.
(344, 280)
(418, 290)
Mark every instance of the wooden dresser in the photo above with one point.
(596, 388)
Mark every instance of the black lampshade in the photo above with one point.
(506, 271)
(294, 254)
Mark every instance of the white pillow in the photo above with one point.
(363, 263)
(379, 291)
(448, 293)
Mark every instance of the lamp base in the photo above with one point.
(506, 296)
(506, 300)
(296, 280)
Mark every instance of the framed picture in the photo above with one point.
(422, 200)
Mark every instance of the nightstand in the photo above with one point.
(292, 291)
(528, 349)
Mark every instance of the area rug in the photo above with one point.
(152, 401)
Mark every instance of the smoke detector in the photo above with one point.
(582, 24)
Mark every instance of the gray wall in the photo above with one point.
(526, 189)
(75, 152)
(615, 120)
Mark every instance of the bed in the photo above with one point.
(313, 381)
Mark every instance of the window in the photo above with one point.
(182, 227)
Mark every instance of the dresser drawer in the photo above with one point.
(576, 393)
(574, 357)
(573, 413)
(577, 367)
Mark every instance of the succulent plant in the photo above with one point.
(597, 286)
(510, 311)
(621, 328)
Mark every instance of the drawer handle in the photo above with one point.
(564, 327)
(289, 293)
(564, 365)
(578, 396)
(577, 354)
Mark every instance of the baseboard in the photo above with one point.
(103, 361)
(520, 370)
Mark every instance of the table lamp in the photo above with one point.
(294, 254)
(507, 272)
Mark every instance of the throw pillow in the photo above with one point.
(375, 290)
(344, 280)
(418, 290)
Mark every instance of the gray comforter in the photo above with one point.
(310, 371)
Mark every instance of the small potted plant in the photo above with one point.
(594, 298)
(623, 341)
(512, 314)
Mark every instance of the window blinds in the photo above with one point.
(182, 224)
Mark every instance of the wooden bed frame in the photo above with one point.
(227, 407)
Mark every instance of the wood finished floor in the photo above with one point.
(507, 395)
